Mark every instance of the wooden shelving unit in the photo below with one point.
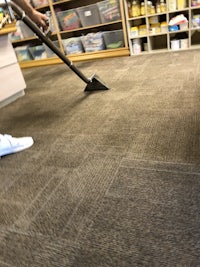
(162, 41)
(60, 34)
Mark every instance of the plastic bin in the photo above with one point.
(113, 39)
(184, 43)
(175, 44)
(49, 52)
(52, 27)
(23, 53)
(16, 35)
(109, 10)
(93, 42)
(25, 30)
(38, 52)
(89, 15)
(73, 45)
(39, 3)
(137, 46)
(68, 20)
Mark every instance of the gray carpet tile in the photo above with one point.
(149, 215)
(113, 176)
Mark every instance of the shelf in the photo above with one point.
(179, 31)
(156, 14)
(25, 40)
(161, 41)
(135, 18)
(92, 27)
(195, 46)
(157, 34)
(42, 7)
(179, 10)
(148, 15)
(194, 7)
(139, 36)
(143, 53)
(60, 2)
(195, 29)
(159, 50)
(149, 35)
(77, 57)
(178, 50)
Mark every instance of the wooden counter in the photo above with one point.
(8, 29)
(12, 80)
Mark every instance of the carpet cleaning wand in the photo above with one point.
(93, 83)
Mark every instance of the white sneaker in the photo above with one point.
(9, 144)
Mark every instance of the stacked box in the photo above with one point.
(25, 30)
(38, 52)
(109, 10)
(73, 45)
(17, 35)
(39, 3)
(89, 15)
(23, 53)
(68, 20)
(93, 42)
(113, 39)
(52, 27)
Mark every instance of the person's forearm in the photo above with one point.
(25, 5)
(36, 16)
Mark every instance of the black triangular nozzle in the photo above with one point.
(96, 84)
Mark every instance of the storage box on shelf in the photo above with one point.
(89, 15)
(25, 30)
(195, 25)
(23, 53)
(95, 15)
(68, 20)
(178, 30)
(149, 25)
(51, 18)
(93, 42)
(38, 52)
(73, 46)
(113, 39)
(39, 3)
(26, 52)
(177, 5)
(22, 32)
(109, 11)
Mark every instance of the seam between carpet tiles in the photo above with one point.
(159, 170)
(34, 200)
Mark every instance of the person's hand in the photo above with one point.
(39, 18)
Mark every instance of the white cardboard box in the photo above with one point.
(7, 53)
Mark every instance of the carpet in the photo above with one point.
(113, 179)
